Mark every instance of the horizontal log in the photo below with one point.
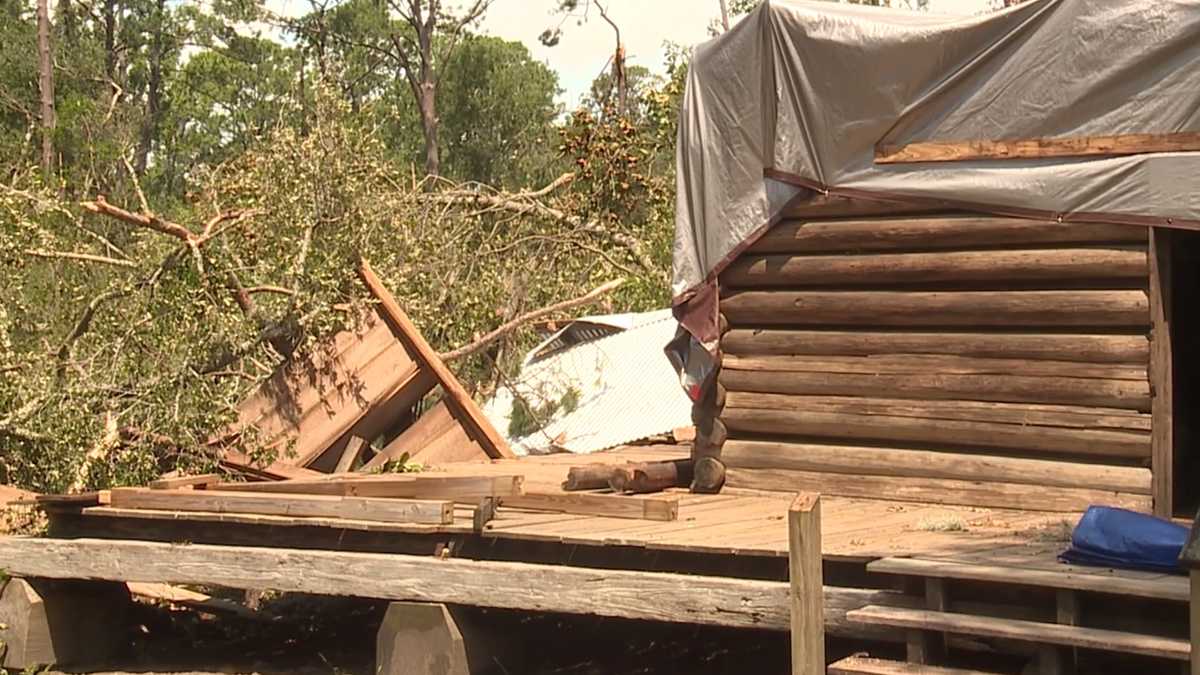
(1074, 391)
(678, 598)
(834, 206)
(989, 494)
(1134, 349)
(900, 364)
(1128, 308)
(934, 233)
(1070, 417)
(359, 508)
(849, 426)
(1044, 265)
(872, 461)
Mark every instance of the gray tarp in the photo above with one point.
(797, 95)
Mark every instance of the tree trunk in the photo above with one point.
(427, 100)
(46, 86)
(110, 40)
(153, 91)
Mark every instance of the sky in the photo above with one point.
(583, 51)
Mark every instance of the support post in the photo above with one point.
(56, 623)
(418, 638)
(1194, 615)
(806, 585)
(1162, 455)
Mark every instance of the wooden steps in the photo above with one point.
(1028, 631)
(1166, 587)
(863, 665)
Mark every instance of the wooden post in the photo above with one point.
(418, 638)
(50, 623)
(1161, 373)
(1195, 621)
(807, 586)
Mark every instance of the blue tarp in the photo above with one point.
(1119, 538)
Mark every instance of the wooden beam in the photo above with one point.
(1126, 394)
(470, 414)
(651, 596)
(244, 464)
(893, 364)
(1096, 443)
(413, 486)
(1167, 587)
(1037, 148)
(201, 481)
(934, 233)
(805, 581)
(862, 665)
(360, 508)
(646, 507)
(1161, 372)
(1011, 309)
(897, 462)
(934, 490)
(1194, 619)
(429, 426)
(1003, 266)
(350, 453)
(1029, 631)
(1130, 349)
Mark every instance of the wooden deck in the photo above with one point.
(734, 522)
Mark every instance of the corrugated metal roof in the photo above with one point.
(627, 390)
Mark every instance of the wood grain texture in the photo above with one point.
(1029, 414)
(413, 486)
(965, 433)
(1031, 631)
(1166, 587)
(806, 584)
(934, 490)
(200, 480)
(876, 461)
(1129, 349)
(429, 426)
(1162, 372)
(1125, 394)
(934, 233)
(363, 508)
(1128, 308)
(428, 359)
(350, 454)
(863, 665)
(1037, 148)
(894, 364)
(544, 588)
(881, 269)
(646, 507)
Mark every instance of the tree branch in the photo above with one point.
(85, 257)
(516, 323)
(148, 221)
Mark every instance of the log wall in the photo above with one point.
(939, 357)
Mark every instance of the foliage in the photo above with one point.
(529, 416)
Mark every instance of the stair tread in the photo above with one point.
(1174, 588)
(1019, 629)
(864, 665)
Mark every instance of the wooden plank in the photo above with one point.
(1097, 443)
(481, 429)
(574, 590)
(452, 446)
(413, 486)
(934, 233)
(200, 480)
(814, 457)
(195, 518)
(664, 507)
(1161, 372)
(363, 508)
(243, 463)
(880, 269)
(820, 205)
(893, 364)
(1069, 417)
(805, 581)
(429, 426)
(1127, 394)
(1194, 619)
(350, 453)
(1037, 148)
(1120, 308)
(1029, 631)
(1132, 349)
(863, 665)
(1172, 588)
(934, 490)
